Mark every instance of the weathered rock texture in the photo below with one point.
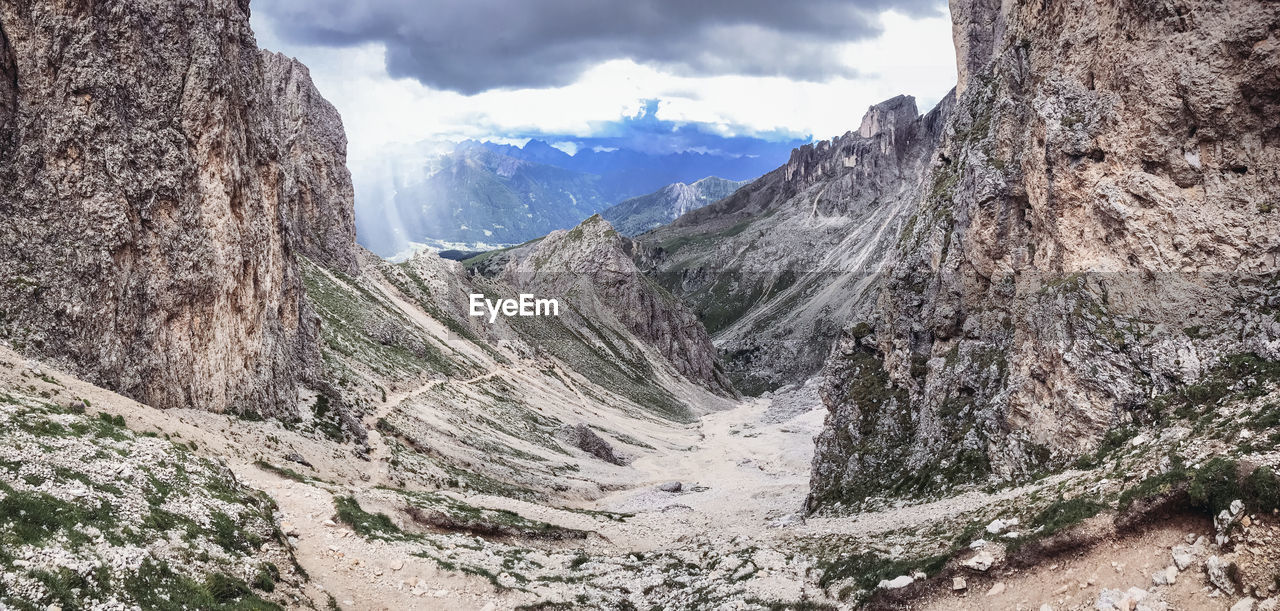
(316, 184)
(582, 437)
(155, 193)
(779, 267)
(590, 269)
(1100, 227)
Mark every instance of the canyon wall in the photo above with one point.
(775, 270)
(1100, 227)
(158, 179)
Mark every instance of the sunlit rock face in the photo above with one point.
(779, 267)
(1100, 226)
(158, 180)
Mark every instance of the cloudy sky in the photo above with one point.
(403, 71)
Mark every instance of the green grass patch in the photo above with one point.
(1058, 516)
(284, 472)
(364, 523)
(867, 570)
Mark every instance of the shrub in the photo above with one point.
(266, 577)
(225, 589)
(1059, 515)
(1262, 488)
(1215, 485)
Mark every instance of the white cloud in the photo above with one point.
(912, 56)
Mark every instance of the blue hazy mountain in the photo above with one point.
(637, 215)
(476, 195)
(631, 173)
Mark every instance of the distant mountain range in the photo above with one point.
(640, 214)
(482, 195)
(632, 173)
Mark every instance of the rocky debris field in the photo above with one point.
(94, 514)
(715, 523)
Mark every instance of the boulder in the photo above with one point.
(582, 437)
(1165, 577)
(1183, 556)
(980, 561)
(1124, 600)
(1244, 604)
(1225, 519)
(998, 526)
(670, 487)
(900, 581)
(1216, 570)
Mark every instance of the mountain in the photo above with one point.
(640, 214)
(474, 196)
(481, 195)
(779, 267)
(633, 172)
(1028, 336)
(594, 259)
(194, 176)
(1091, 242)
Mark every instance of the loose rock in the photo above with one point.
(1216, 570)
(980, 561)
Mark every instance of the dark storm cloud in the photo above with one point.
(475, 45)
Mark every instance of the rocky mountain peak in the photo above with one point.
(639, 214)
(591, 266)
(977, 28)
(317, 188)
(888, 128)
(889, 117)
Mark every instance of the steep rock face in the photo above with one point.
(146, 187)
(775, 270)
(591, 270)
(640, 214)
(8, 88)
(1100, 229)
(319, 200)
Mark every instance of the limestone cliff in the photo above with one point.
(776, 269)
(316, 184)
(591, 270)
(157, 181)
(1100, 227)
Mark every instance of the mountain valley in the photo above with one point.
(1017, 351)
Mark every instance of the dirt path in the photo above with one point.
(742, 477)
(1075, 581)
(379, 453)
